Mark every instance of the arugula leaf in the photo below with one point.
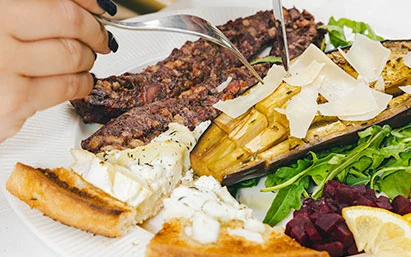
(381, 159)
(336, 32)
(398, 183)
(286, 199)
(269, 59)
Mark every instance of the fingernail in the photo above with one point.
(112, 42)
(95, 56)
(94, 78)
(108, 6)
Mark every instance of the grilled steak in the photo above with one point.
(140, 125)
(190, 65)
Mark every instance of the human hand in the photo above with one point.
(47, 48)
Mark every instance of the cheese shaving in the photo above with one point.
(380, 85)
(336, 84)
(238, 106)
(307, 76)
(359, 101)
(367, 57)
(406, 89)
(224, 85)
(407, 60)
(382, 101)
(301, 111)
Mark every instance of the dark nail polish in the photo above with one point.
(112, 42)
(95, 56)
(94, 78)
(108, 6)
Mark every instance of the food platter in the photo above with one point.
(47, 137)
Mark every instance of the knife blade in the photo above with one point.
(281, 33)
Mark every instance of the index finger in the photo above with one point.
(98, 6)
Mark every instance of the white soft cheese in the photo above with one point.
(249, 235)
(139, 176)
(206, 203)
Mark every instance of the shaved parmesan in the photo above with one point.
(407, 60)
(301, 111)
(368, 57)
(336, 84)
(224, 85)
(307, 76)
(406, 89)
(238, 106)
(359, 100)
(380, 85)
(280, 110)
(382, 101)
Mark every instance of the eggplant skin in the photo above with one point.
(258, 142)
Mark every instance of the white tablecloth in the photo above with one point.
(16, 240)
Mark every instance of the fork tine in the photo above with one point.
(185, 24)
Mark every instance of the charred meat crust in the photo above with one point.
(190, 65)
(193, 64)
(141, 124)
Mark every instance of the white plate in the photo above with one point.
(46, 138)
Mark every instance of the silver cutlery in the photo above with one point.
(281, 33)
(186, 24)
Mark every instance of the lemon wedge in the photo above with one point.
(378, 231)
(407, 217)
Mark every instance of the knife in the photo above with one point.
(281, 33)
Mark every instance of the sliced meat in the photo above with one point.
(190, 65)
(140, 125)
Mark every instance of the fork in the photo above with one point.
(186, 24)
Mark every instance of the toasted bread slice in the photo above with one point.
(65, 196)
(172, 241)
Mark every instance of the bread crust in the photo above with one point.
(172, 242)
(66, 197)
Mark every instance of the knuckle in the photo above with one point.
(74, 53)
(72, 86)
(73, 16)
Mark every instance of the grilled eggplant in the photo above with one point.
(258, 142)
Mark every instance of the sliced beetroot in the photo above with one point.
(362, 200)
(346, 194)
(401, 205)
(384, 202)
(327, 222)
(351, 250)
(319, 224)
(335, 249)
(342, 234)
